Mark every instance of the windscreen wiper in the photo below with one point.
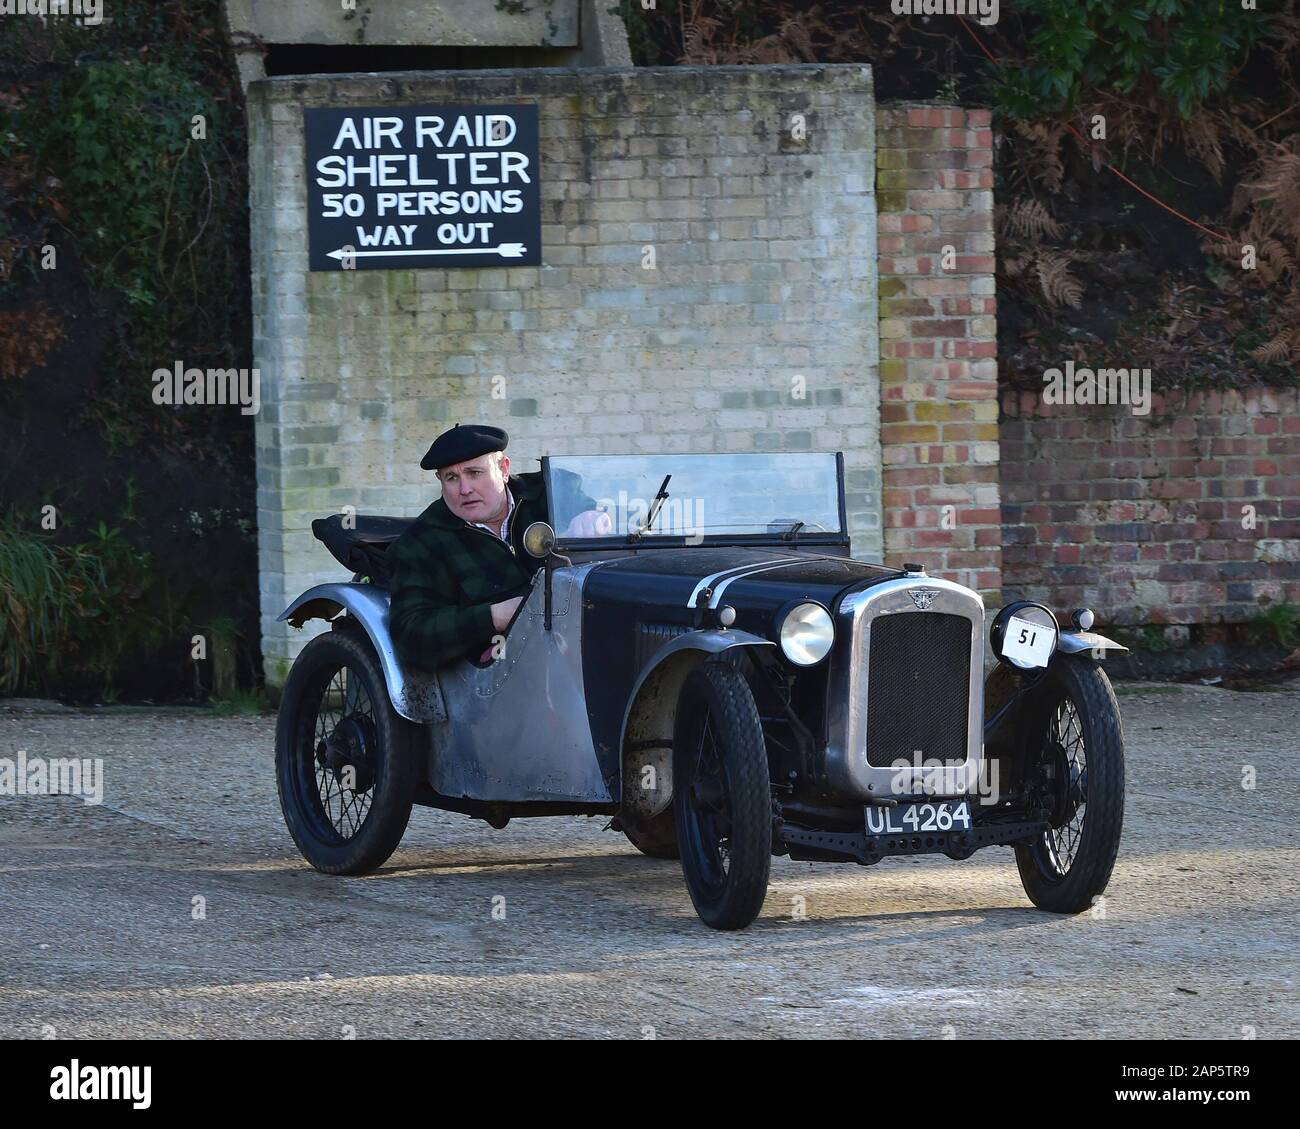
(655, 507)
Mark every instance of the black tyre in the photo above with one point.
(345, 760)
(656, 836)
(1076, 771)
(721, 796)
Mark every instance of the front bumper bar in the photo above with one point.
(868, 849)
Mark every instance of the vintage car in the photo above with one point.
(724, 681)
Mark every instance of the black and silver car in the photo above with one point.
(723, 680)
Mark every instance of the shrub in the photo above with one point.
(1181, 51)
(43, 591)
(72, 615)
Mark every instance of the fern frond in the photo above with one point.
(1205, 140)
(1271, 352)
(1027, 219)
(1059, 287)
(1045, 163)
(697, 42)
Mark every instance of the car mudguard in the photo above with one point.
(646, 732)
(1005, 694)
(1076, 642)
(416, 698)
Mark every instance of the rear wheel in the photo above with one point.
(345, 760)
(722, 796)
(1077, 775)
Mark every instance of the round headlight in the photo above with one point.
(807, 634)
(1024, 635)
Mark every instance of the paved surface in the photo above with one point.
(97, 922)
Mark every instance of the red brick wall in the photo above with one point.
(938, 368)
(1141, 517)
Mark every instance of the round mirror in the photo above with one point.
(539, 539)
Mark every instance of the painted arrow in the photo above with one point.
(505, 250)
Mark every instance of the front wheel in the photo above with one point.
(344, 758)
(722, 796)
(1076, 772)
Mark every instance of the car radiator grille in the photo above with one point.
(918, 688)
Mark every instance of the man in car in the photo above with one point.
(458, 575)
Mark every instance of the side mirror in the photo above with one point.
(539, 539)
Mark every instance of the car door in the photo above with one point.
(517, 728)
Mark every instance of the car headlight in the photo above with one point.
(1024, 635)
(806, 634)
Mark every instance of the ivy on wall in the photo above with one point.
(124, 152)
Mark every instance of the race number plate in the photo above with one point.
(1026, 643)
(906, 819)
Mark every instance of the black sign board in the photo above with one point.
(423, 186)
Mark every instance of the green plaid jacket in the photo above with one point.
(445, 574)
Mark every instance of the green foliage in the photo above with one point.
(42, 592)
(99, 159)
(242, 703)
(119, 619)
(119, 139)
(1182, 51)
(223, 636)
(99, 156)
(1146, 640)
(648, 30)
(1280, 625)
(72, 615)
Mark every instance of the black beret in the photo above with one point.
(462, 443)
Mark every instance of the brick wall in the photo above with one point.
(938, 372)
(765, 247)
(1145, 518)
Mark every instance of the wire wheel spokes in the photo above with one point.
(345, 719)
(709, 801)
(1065, 741)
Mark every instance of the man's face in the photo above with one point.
(476, 489)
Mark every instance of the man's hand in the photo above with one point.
(504, 612)
(590, 523)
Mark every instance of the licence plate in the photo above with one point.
(906, 819)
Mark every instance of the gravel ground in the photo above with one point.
(1197, 936)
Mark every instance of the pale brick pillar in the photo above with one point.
(755, 330)
(938, 344)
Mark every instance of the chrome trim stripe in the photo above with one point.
(709, 580)
(716, 598)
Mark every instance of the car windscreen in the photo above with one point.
(712, 495)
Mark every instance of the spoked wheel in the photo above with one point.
(1076, 773)
(722, 796)
(345, 759)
